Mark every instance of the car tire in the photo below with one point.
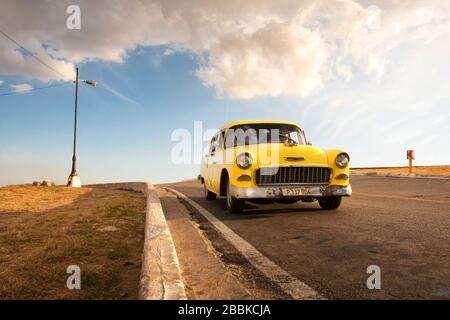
(234, 205)
(208, 194)
(330, 203)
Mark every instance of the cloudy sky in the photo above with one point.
(370, 77)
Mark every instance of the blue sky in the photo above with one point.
(126, 122)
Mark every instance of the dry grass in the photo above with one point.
(26, 198)
(416, 170)
(44, 230)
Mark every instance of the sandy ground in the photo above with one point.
(416, 170)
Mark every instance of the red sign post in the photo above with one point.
(410, 155)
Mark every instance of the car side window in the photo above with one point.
(229, 139)
(213, 146)
(220, 139)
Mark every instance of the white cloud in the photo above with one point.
(1, 82)
(168, 52)
(21, 88)
(279, 58)
(245, 48)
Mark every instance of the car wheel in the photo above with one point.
(208, 194)
(330, 203)
(234, 205)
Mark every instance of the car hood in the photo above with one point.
(288, 155)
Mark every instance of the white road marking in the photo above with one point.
(288, 283)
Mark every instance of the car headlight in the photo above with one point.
(342, 160)
(244, 160)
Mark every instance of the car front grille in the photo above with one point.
(292, 175)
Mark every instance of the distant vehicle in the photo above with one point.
(271, 161)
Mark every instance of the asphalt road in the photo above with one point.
(401, 225)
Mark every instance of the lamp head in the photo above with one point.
(91, 82)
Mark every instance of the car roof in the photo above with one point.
(241, 122)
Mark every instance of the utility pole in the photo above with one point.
(74, 179)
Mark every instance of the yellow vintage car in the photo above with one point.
(271, 161)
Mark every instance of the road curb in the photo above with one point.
(401, 175)
(160, 274)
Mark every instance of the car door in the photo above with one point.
(218, 160)
(210, 165)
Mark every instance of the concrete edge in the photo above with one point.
(160, 274)
(400, 175)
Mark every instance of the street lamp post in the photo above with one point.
(74, 179)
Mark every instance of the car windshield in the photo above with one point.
(247, 134)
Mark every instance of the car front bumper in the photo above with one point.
(275, 192)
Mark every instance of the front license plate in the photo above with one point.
(290, 192)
